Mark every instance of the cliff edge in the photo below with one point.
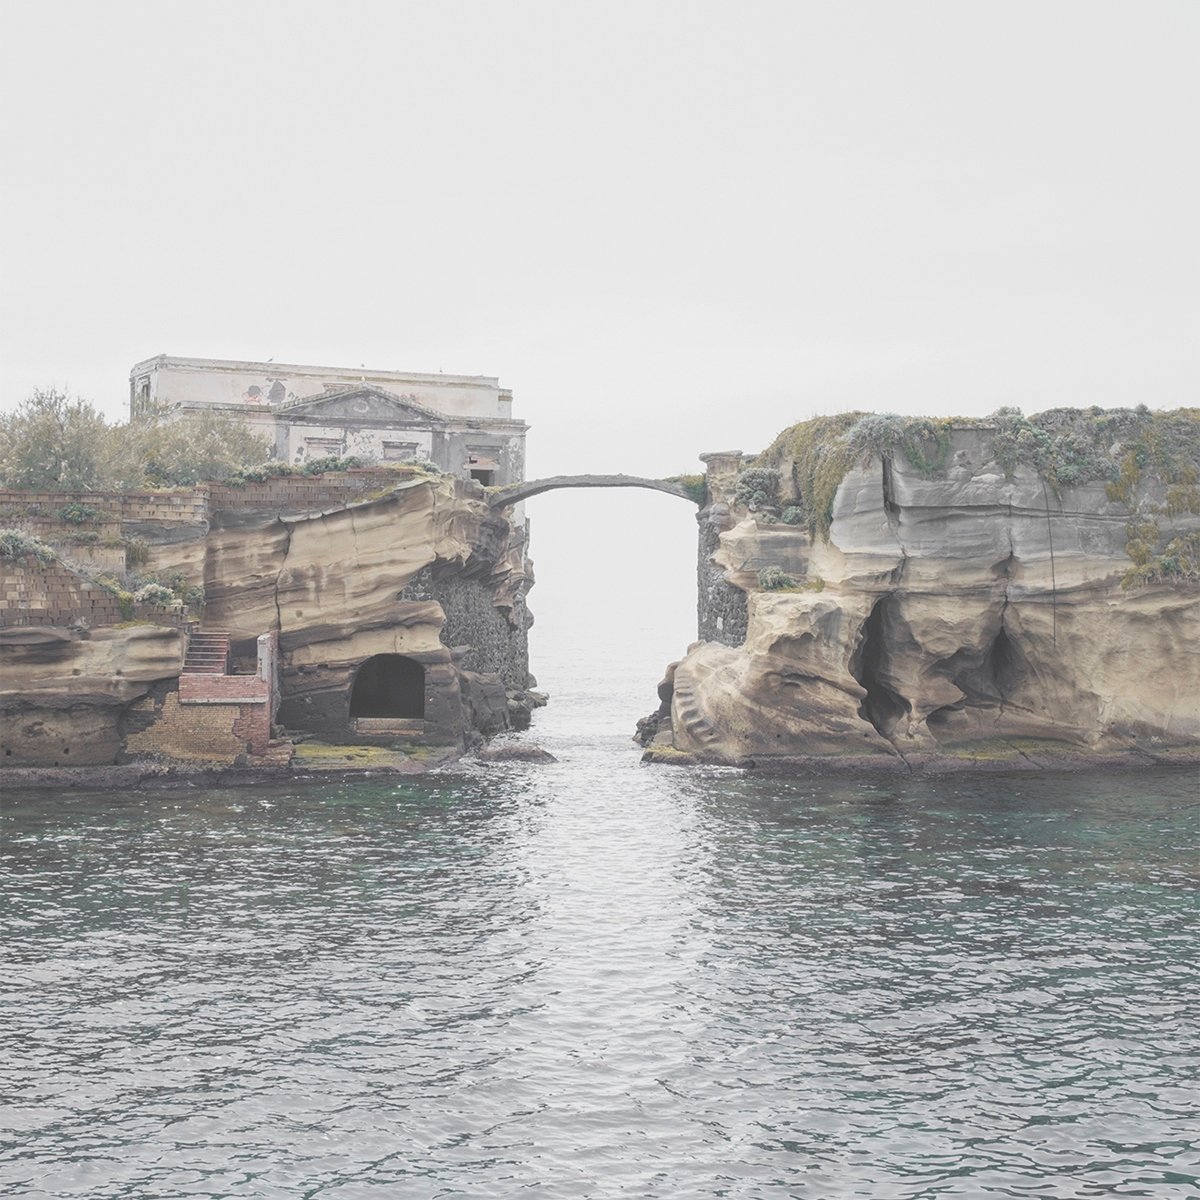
(938, 592)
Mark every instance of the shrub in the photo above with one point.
(55, 443)
(76, 513)
(775, 579)
(881, 435)
(331, 462)
(695, 486)
(757, 488)
(175, 583)
(154, 593)
(15, 543)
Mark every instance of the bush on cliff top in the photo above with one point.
(1066, 447)
(56, 443)
(15, 543)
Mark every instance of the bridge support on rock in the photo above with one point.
(517, 492)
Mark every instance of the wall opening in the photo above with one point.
(487, 478)
(389, 685)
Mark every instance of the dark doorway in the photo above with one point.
(389, 685)
(483, 476)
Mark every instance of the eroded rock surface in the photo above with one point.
(973, 613)
(424, 570)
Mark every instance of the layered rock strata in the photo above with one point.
(422, 569)
(962, 613)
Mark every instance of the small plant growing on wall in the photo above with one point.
(775, 579)
(14, 543)
(694, 485)
(77, 513)
(155, 593)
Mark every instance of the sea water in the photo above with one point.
(593, 978)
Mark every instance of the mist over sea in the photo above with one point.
(592, 978)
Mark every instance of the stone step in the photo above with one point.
(207, 653)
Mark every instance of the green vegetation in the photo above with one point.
(775, 579)
(154, 593)
(15, 543)
(56, 443)
(181, 589)
(78, 514)
(1065, 447)
(694, 485)
(1178, 561)
(261, 472)
(53, 442)
(820, 456)
(758, 489)
(152, 588)
(924, 441)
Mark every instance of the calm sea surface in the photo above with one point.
(595, 979)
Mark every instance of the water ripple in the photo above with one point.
(597, 979)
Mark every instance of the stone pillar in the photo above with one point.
(721, 472)
(268, 668)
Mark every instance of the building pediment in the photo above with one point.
(363, 403)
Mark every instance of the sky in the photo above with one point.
(668, 227)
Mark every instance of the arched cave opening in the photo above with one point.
(389, 685)
(883, 706)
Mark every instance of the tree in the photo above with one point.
(166, 448)
(54, 443)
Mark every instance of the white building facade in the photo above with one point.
(461, 423)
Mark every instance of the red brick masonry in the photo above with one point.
(223, 689)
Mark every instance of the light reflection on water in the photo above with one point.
(592, 978)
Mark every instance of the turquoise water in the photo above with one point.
(592, 978)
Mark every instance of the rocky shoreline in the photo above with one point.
(143, 776)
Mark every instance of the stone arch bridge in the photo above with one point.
(516, 492)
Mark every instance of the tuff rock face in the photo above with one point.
(65, 693)
(972, 615)
(425, 570)
(370, 578)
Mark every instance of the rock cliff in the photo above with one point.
(922, 593)
(420, 568)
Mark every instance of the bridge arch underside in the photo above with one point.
(535, 487)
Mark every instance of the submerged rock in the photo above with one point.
(514, 752)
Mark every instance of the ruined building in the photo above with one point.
(463, 424)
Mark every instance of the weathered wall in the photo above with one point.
(174, 380)
(35, 593)
(721, 606)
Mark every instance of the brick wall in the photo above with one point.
(33, 593)
(193, 506)
(303, 492)
(183, 506)
(211, 733)
(223, 689)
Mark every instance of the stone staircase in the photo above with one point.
(207, 653)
